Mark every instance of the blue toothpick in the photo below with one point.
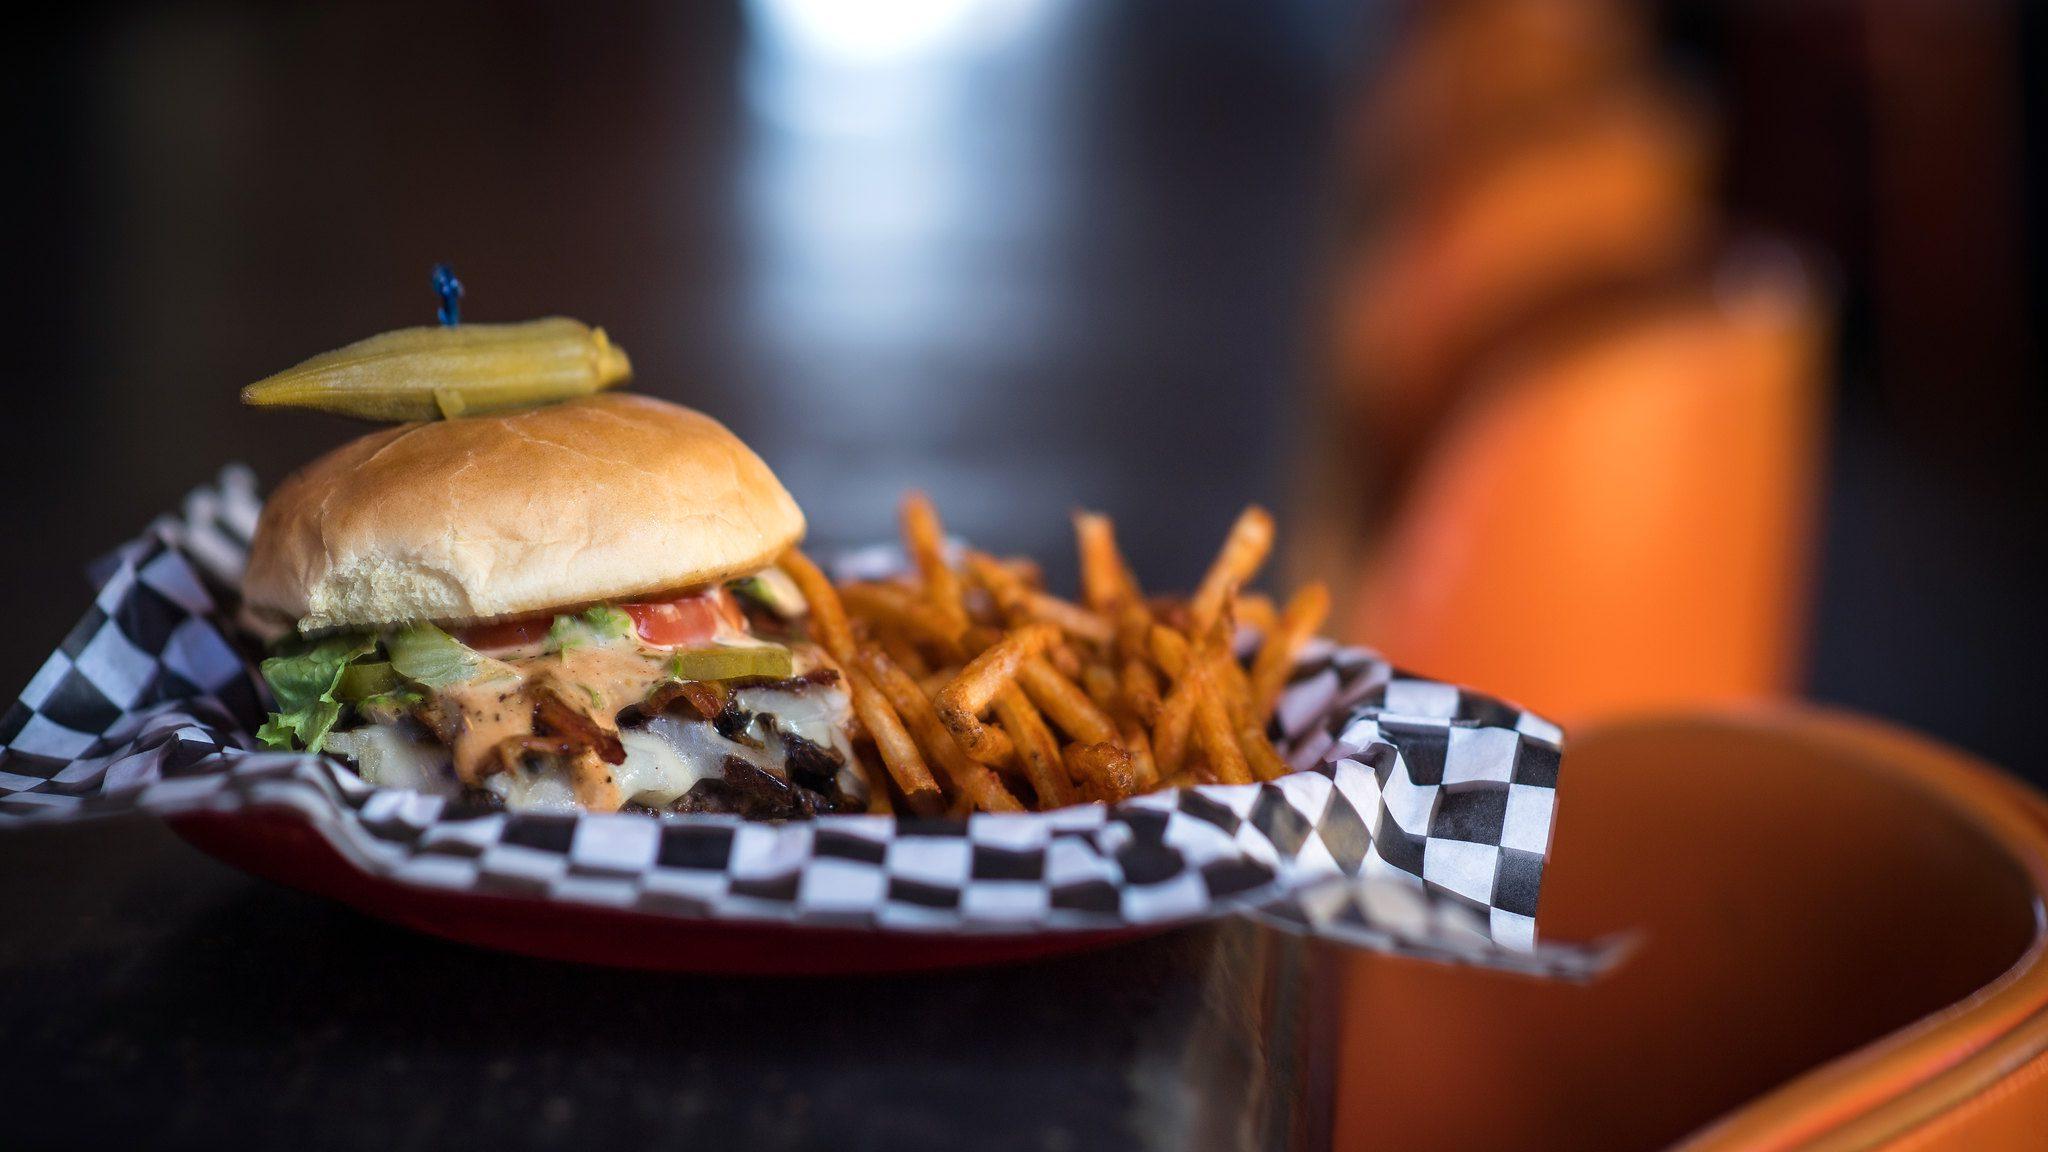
(450, 291)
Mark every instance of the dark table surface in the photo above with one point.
(156, 998)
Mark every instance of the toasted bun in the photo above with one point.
(602, 498)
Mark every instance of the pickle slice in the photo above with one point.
(470, 369)
(762, 661)
(364, 679)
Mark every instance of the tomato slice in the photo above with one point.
(507, 633)
(687, 619)
(674, 623)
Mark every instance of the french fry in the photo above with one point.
(1064, 704)
(1101, 684)
(1106, 579)
(1171, 731)
(1217, 652)
(1063, 657)
(925, 539)
(902, 651)
(1259, 753)
(996, 748)
(1169, 650)
(828, 624)
(988, 685)
(1026, 569)
(1140, 687)
(1105, 767)
(1304, 614)
(1143, 768)
(1243, 551)
(1036, 748)
(971, 779)
(1133, 630)
(899, 608)
(1001, 584)
(1213, 733)
(1069, 617)
(975, 688)
(899, 752)
(1256, 612)
(1233, 686)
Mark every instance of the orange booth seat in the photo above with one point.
(1840, 947)
(1620, 517)
(1606, 195)
(1465, 75)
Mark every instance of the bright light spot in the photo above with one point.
(888, 31)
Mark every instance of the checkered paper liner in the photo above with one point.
(1418, 822)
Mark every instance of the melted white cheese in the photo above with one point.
(665, 757)
(528, 791)
(389, 758)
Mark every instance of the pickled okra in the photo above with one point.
(430, 373)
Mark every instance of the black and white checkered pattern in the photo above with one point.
(1418, 823)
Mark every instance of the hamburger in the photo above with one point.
(563, 607)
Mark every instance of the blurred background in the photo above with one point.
(1610, 356)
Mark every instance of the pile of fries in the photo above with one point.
(979, 690)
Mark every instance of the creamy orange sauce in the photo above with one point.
(597, 682)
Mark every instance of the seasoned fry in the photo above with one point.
(1105, 767)
(1040, 753)
(1143, 768)
(1101, 684)
(1304, 614)
(903, 652)
(1213, 732)
(1133, 626)
(1026, 569)
(828, 615)
(1106, 579)
(1256, 612)
(1244, 550)
(1233, 686)
(899, 752)
(1169, 650)
(989, 673)
(1176, 720)
(976, 781)
(925, 539)
(1000, 583)
(1063, 657)
(1064, 704)
(1217, 653)
(1069, 617)
(974, 682)
(1259, 753)
(899, 608)
(1140, 686)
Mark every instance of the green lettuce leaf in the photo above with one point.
(304, 684)
(592, 625)
(426, 655)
